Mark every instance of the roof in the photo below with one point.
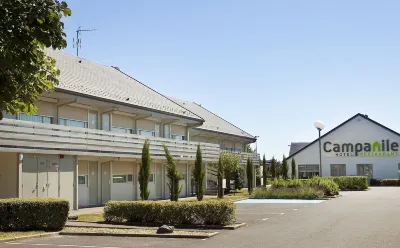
(355, 116)
(296, 146)
(84, 77)
(213, 122)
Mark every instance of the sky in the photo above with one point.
(271, 68)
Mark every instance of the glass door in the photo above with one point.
(92, 120)
(365, 170)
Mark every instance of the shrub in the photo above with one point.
(48, 214)
(213, 212)
(144, 172)
(326, 184)
(351, 182)
(287, 193)
(385, 182)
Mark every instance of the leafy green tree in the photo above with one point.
(258, 175)
(220, 176)
(199, 173)
(239, 178)
(273, 168)
(174, 176)
(264, 164)
(144, 171)
(249, 172)
(230, 163)
(293, 169)
(249, 149)
(26, 28)
(284, 168)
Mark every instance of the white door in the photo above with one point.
(29, 177)
(52, 178)
(43, 165)
(105, 182)
(93, 180)
(66, 169)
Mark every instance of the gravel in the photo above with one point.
(127, 231)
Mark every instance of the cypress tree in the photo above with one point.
(220, 176)
(273, 168)
(249, 170)
(264, 164)
(144, 171)
(199, 174)
(285, 168)
(293, 169)
(173, 175)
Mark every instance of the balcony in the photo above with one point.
(255, 157)
(33, 137)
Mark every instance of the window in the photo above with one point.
(119, 178)
(36, 118)
(130, 177)
(157, 130)
(73, 123)
(151, 178)
(9, 116)
(92, 119)
(82, 179)
(308, 171)
(364, 170)
(121, 130)
(338, 170)
(166, 131)
(105, 122)
(177, 137)
(146, 133)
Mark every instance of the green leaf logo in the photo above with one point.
(376, 146)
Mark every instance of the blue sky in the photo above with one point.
(270, 67)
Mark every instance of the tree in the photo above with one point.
(144, 171)
(239, 178)
(220, 176)
(293, 169)
(26, 28)
(284, 168)
(258, 175)
(273, 168)
(249, 172)
(199, 173)
(230, 163)
(249, 149)
(173, 176)
(264, 165)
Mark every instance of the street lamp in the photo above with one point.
(319, 125)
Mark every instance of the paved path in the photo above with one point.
(369, 219)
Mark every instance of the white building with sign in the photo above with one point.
(359, 146)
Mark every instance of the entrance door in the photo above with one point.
(365, 170)
(66, 172)
(105, 182)
(158, 181)
(52, 178)
(29, 177)
(93, 183)
(42, 177)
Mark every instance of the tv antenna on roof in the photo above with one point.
(78, 42)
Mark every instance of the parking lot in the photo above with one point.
(357, 219)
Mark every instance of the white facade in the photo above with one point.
(354, 152)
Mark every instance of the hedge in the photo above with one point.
(325, 184)
(351, 182)
(48, 214)
(214, 212)
(385, 182)
(304, 192)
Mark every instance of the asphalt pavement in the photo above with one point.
(356, 219)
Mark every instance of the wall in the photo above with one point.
(122, 121)
(46, 108)
(239, 145)
(228, 144)
(73, 113)
(8, 175)
(145, 125)
(122, 191)
(358, 130)
(178, 130)
(83, 190)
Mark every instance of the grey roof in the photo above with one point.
(105, 82)
(297, 146)
(213, 122)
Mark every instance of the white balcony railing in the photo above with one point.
(32, 137)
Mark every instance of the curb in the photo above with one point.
(122, 226)
(29, 237)
(183, 236)
(193, 227)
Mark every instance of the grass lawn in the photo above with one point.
(9, 235)
(91, 217)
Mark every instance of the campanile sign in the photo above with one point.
(377, 148)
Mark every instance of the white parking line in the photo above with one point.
(295, 209)
(265, 219)
(54, 245)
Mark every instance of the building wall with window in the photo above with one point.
(354, 153)
(123, 122)
(122, 184)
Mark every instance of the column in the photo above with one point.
(19, 175)
(75, 203)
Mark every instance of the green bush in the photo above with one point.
(287, 193)
(326, 184)
(385, 182)
(351, 182)
(290, 183)
(214, 212)
(48, 214)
